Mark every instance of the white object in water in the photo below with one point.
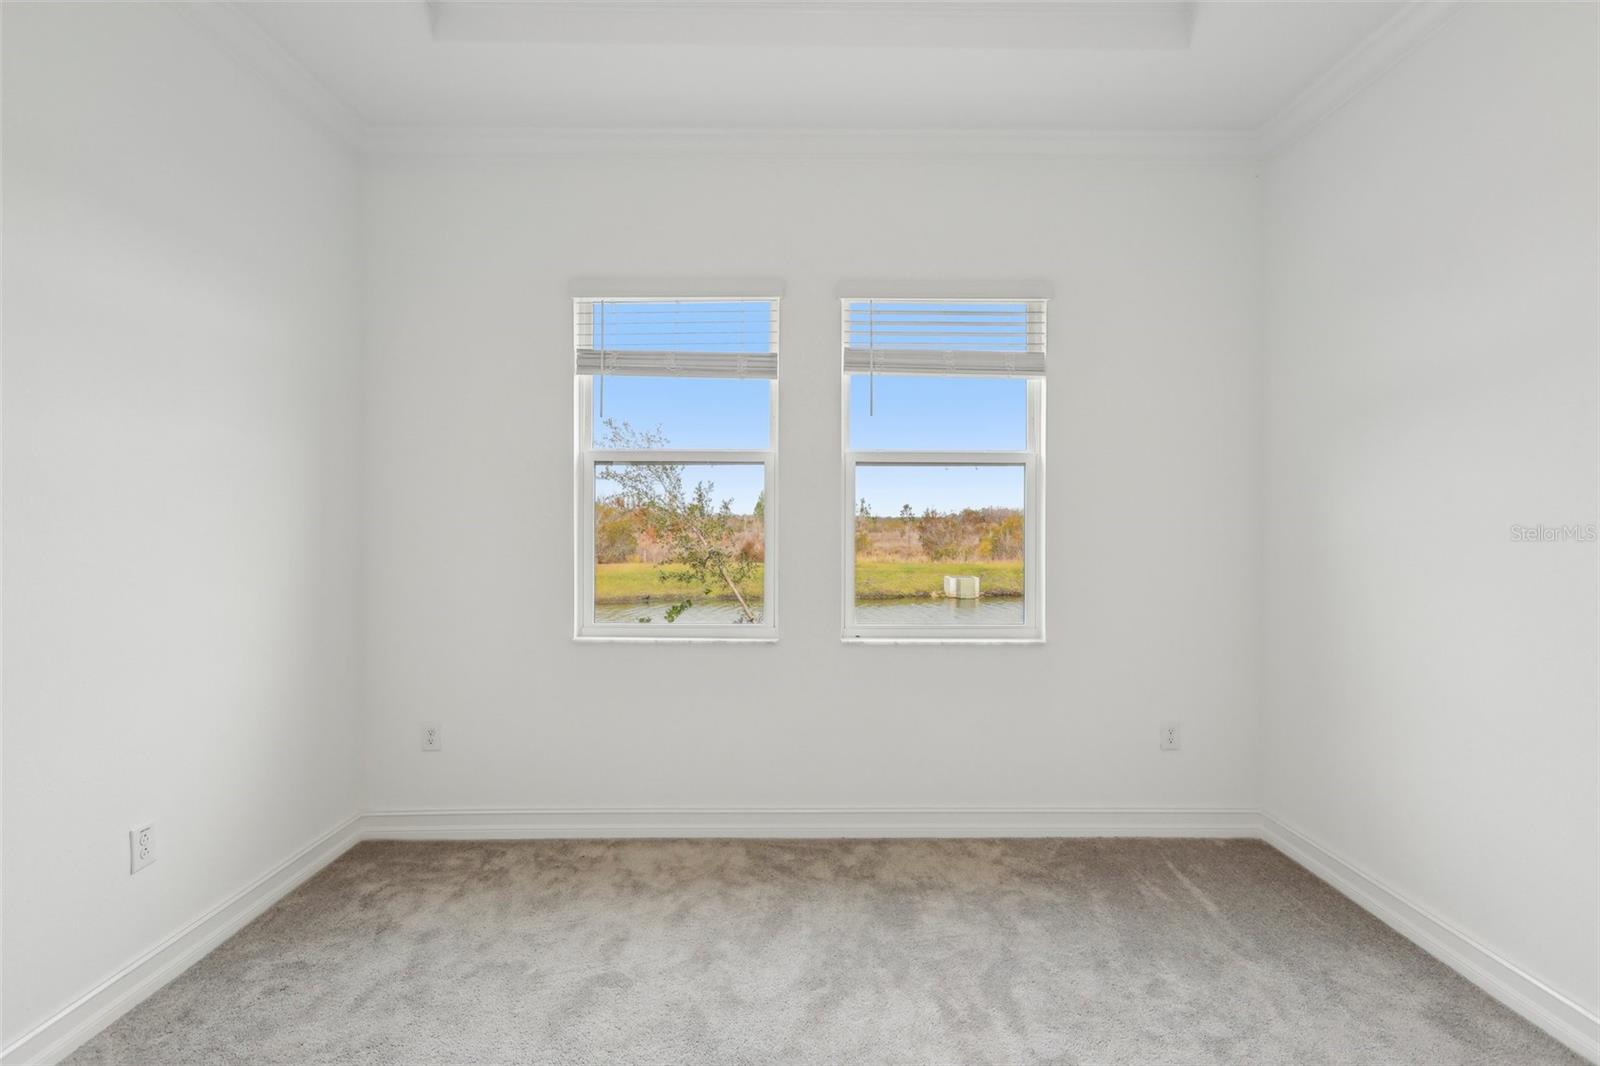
(961, 587)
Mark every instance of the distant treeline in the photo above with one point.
(621, 536)
(974, 533)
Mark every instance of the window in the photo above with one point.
(943, 445)
(677, 404)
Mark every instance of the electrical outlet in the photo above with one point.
(432, 737)
(141, 847)
(1169, 736)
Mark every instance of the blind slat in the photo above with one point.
(670, 337)
(990, 338)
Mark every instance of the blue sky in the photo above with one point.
(692, 412)
(947, 488)
(949, 414)
(736, 481)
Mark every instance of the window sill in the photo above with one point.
(1023, 641)
(608, 638)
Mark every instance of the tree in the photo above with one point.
(1003, 540)
(940, 534)
(616, 532)
(701, 535)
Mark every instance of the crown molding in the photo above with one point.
(872, 144)
(1027, 24)
(231, 28)
(1369, 61)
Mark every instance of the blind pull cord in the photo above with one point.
(872, 361)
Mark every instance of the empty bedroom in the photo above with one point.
(799, 531)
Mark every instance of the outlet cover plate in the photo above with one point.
(141, 847)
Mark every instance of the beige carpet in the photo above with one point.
(837, 952)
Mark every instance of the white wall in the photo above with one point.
(199, 510)
(180, 442)
(1152, 481)
(1430, 698)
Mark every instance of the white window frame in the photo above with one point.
(1032, 462)
(589, 456)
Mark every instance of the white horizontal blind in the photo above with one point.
(700, 337)
(998, 338)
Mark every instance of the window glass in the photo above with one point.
(686, 412)
(939, 545)
(679, 543)
(927, 413)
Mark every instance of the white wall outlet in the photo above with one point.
(1169, 736)
(141, 847)
(432, 737)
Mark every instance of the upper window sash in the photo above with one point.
(690, 337)
(946, 337)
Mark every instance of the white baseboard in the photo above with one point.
(60, 1035)
(1567, 1021)
(57, 1037)
(852, 822)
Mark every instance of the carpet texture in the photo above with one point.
(836, 952)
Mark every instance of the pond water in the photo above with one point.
(989, 611)
(986, 611)
(712, 612)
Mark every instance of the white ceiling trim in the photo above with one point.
(231, 26)
(1041, 144)
(1030, 24)
(608, 288)
(1361, 67)
(232, 29)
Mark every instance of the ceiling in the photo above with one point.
(794, 65)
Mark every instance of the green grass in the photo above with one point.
(632, 582)
(889, 579)
(875, 580)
